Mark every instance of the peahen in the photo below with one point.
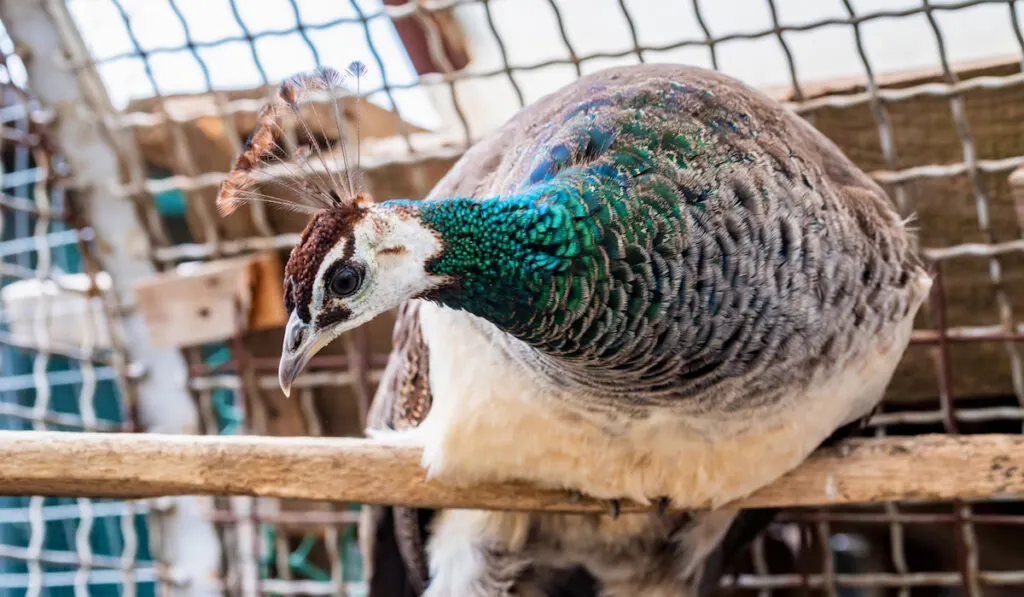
(654, 283)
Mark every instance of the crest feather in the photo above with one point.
(262, 151)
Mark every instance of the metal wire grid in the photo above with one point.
(272, 546)
(413, 153)
(233, 393)
(57, 546)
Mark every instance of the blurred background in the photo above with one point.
(129, 305)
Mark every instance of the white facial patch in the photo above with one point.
(393, 249)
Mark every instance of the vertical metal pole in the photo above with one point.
(46, 38)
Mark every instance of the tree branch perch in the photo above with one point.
(930, 467)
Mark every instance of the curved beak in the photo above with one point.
(301, 343)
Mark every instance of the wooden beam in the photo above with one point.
(1017, 194)
(929, 467)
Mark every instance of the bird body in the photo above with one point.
(664, 272)
(653, 283)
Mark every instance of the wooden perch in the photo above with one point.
(930, 467)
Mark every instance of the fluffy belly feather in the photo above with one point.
(492, 421)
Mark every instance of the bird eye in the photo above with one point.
(345, 281)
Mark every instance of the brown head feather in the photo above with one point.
(259, 146)
(323, 232)
(290, 89)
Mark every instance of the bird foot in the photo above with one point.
(614, 506)
(663, 504)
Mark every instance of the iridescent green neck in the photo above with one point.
(509, 260)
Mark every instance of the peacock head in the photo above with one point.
(353, 263)
(356, 258)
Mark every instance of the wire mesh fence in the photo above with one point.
(60, 369)
(925, 96)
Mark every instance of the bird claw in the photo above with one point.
(614, 506)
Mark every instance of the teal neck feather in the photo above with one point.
(510, 260)
(553, 265)
(586, 261)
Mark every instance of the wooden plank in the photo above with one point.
(213, 301)
(929, 467)
(1017, 192)
(70, 315)
(268, 310)
(964, 69)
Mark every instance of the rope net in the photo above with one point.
(926, 96)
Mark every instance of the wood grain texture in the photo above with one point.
(930, 467)
(1017, 193)
(200, 304)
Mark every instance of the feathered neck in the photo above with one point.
(513, 261)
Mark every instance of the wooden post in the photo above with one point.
(47, 39)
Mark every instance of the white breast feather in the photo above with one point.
(492, 421)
